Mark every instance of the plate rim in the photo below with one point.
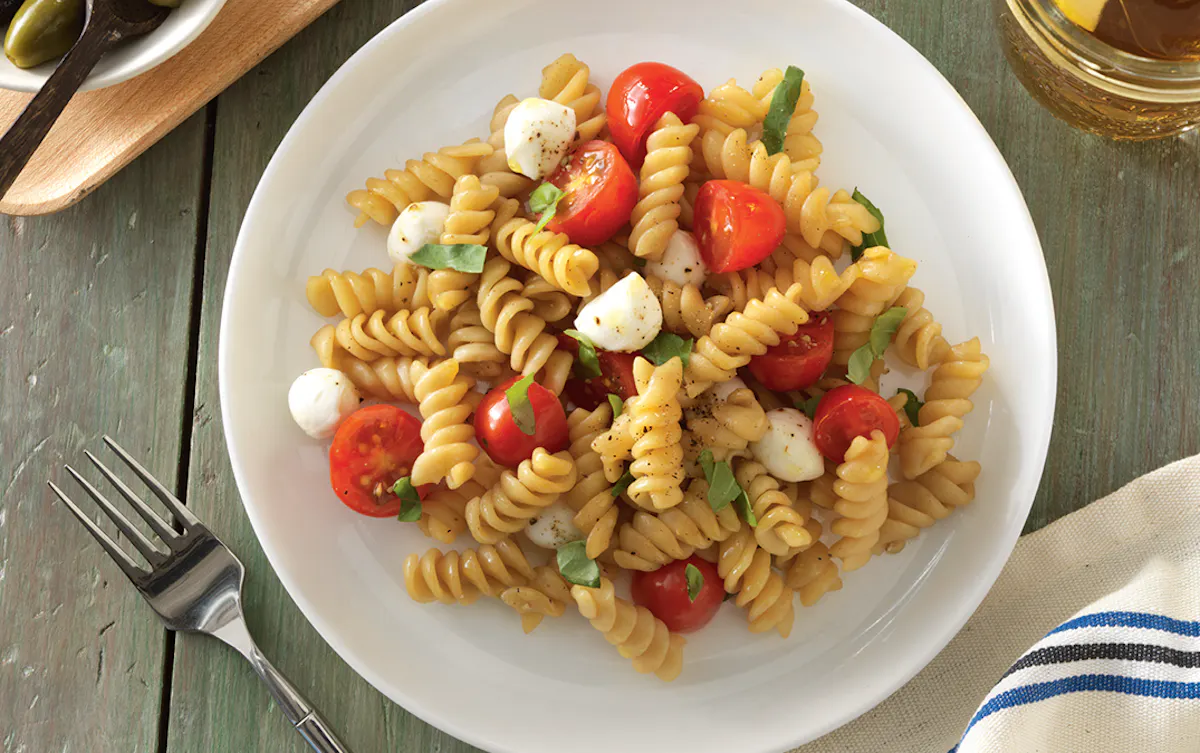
(911, 662)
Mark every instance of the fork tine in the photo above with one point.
(159, 525)
(123, 560)
(181, 513)
(135, 536)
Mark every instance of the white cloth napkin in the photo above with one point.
(1088, 643)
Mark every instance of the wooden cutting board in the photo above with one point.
(102, 131)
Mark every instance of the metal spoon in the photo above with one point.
(106, 24)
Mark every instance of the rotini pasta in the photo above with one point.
(656, 215)
(508, 316)
(565, 81)
(509, 505)
(592, 499)
(861, 504)
(654, 422)
(462, 577)
(545, 595)
(351, 293)
(652, 540)
(474, 346)
(404, 333)
(919, 340)
(947, 401)
(727, 427)
(637, 634)
(432, 176)
(615, 447)
(915, 505)
(781, 528)
(561, 263)
(820, 284)
(799, 144)
(685, 309)
(493, 168)
(746, 570)
(446, 400)
(469, 222)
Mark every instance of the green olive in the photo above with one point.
(43, 30)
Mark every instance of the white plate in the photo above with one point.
(891, 125)
(180, 28)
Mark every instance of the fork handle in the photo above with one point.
(307, 721)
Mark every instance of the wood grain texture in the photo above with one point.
(94, 321)
(101, 131)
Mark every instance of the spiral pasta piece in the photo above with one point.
(592, 498)
(563, 264)
(443, 511)
(565, 81)
(685, 309)
(615, 446)
(549, 303)
(545, 595)
(801, 146)
(351, 293)
(813, 573)
(727, 426)
(691, 190)
(462, 577)
(725, 109)
(823, 219)
(430, 177)
(404, 333)
(520, 495)
(719, 354)
(861, 504)
(637, 634)
(446, 400)
(493, 168)
(947, 401)
(474, 346)
(508, 316)
(652, 540)
(820, 284)
(746, 570)
(656, 215)
(469, 222)
(883, 275)
(654, 416)
(918, 340)
(781, 529)
(915, 505)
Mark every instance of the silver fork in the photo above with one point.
(195, 586)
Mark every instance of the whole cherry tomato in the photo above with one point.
(616, 377)
(599, 194)
(851, 411)
(640, 95)
(499, 435)
(735, 225)
(374, 448)
(665, 593)
(798, 360)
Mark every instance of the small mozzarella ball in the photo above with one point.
(537, 136)
(787, 449)
(625, 318)
(553, 527)
(319, 399)
(681, 262)
(420, 223)
(722, 390)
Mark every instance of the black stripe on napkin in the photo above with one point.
(1124, 651)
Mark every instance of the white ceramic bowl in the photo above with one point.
(181, 26)
(890, 124)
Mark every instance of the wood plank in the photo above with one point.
(1100, 249)
(217, 703)
(94, 322)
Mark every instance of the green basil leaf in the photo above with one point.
(622, 484)
(809, 406)
(783, 104)
(575, 566)
(722, 486)
(461, 257)
(695, 581)
(545, 199)
(705, 461)
(520, 407)
(859, 368)
(410, 501)
(617, 404)
(885, 327)
(667, 346)
(912, 406)
(742, 504)
(587, 363)
(870, 240)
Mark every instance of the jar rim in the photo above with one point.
(1105, 60)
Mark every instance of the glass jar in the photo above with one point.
(1092, 85)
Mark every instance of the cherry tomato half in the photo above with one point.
(616, 377)
(600, 191)
(851, 411)
(665, 593)
(373, 449)
(797, 361)
(640, 95)
(498, 434)
(735, 225)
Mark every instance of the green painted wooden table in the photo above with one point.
(108, 323)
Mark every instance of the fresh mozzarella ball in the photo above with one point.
(787, 449)
(319, 399)
(681, 262)
(722, 390)
(420, 223)
(626, 317)
(553, 527)
(537, 136)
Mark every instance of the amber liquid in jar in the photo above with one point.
(1126, 69)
